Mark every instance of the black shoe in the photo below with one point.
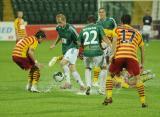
(88, 91)
(144, 105)
(107, 101)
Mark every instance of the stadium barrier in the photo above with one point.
(7, 31)
(50, 30)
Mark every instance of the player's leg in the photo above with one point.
(102, 76)
(77, 76)
(65, 66)
(134, 69)
(120, 81)
(54, 60)
(35, 72)
(30, 78)
(72, 60)
(114, 68)
(87, 63)
(96, 72)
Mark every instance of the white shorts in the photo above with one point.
(146, 29)
(93, 61)
(71, 55)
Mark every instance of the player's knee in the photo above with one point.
(72, 68)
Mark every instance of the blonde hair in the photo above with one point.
(60, 17)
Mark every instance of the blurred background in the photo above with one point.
(42, 12)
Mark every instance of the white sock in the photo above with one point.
(67, 73)
(77, 78)
(102, 77)
(88, 77)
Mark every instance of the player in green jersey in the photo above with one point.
(68, 35)
(108, 25)
(90, 39)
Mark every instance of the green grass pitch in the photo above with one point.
(16, 102)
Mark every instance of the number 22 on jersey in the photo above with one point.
(90, 37)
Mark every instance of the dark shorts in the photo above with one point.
(24, 63)
(131, 65)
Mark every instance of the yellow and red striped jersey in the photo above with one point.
(21, 48)
(20, 28)
(128, 41)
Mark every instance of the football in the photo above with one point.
(58, 76)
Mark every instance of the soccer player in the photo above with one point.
(23, 56)
(20, 26)
(125, 56)
(68, 36)
(90, 39)
(108, 24)
(146, 30)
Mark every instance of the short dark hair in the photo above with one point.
(126, 19)
(91, 19)
(40, 34)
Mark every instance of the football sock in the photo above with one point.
(96, 71)
(59, 58)
(88, 77)
(140, 89)
(30, 76)
(36, 75)
(67, 73)
(77, 78)
(121, 81)
(109, 87)
(102, 77)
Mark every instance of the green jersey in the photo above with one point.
(107, 23)
(68, 35)
(90, 37)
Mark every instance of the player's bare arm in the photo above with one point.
(55, 42)
(31, 55)
(142, 56)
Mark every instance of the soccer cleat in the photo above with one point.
(52, 61)
(145, 72)
(34, 89)
(88, 91)
(144, 105)
(101, 92)
(28, 86)
(107, 101)
(66, 86)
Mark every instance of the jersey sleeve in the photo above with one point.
(101, 32)
(113, 22)
(34, 44)
(140, 40)
(80, 38)
(16, 24)
(74, 33)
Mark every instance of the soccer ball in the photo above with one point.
(58, 76)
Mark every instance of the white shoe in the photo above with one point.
(95, 84)
(28, 87)
(101, 92)
(34, 89)
(52, 61)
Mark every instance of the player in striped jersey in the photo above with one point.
(20, 26)
(125, 56)
(23, 56)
